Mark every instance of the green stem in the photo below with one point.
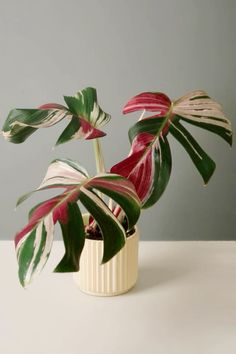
(100, 165)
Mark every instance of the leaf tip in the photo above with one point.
(207, 178)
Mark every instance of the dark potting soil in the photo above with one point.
(95, 234)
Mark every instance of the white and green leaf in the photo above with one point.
(84, 114)
(85, 105)
(33, 249)
(198, 109)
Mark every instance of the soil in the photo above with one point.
(95, 233)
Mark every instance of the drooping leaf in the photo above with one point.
(33, 248)
(84, 122)
(78, 186)
(74, 238)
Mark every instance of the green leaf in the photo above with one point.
(216, 129)
(84, 105)
(201, 160)
(148, 125)
(75, 105)
(163, 165)
(68, 133)
(74, 237)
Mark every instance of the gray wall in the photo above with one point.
(55, 47)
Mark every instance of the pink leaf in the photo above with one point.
(52, 106)
(88, 131)
(57, 205)
(149, 101)
(138, 169)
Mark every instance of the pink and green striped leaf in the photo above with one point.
(91, 117)
(156, 102)
(78, 186)
(148, 165)
(83, 112)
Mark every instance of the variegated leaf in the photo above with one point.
(197, 108)
(84, 114)
(33, 243)
(78, 186)
(91, 117)
(33, 248)
(61, 173)
(21, 123)
(84, 104)
(148, 165)
(156, 102)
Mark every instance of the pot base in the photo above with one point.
(103, 294)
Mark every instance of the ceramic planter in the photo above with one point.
(112, 278)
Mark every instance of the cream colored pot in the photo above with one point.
(112, 278)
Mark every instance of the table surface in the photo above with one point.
(184, 303)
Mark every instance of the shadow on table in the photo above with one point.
(163, 271)
(155, 276)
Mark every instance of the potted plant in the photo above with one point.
(101, 247)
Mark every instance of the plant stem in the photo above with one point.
(100, 165)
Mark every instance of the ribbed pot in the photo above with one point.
(112, 278)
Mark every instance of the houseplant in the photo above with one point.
(136, 182)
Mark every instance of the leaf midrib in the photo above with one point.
(157, 135)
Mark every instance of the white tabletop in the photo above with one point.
(184, 303)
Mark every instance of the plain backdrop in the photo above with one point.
(51, 48)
